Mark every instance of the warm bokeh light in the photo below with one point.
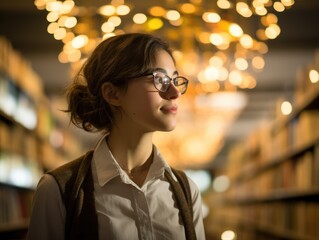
(216, 39)
(115, 20)
(314, 76)
(241, 63)
(272, 31)
(79, 41)
(155, 23)
(139, 18)
(258, 62)
(173, 15)
(70, 22)
(228, 235)
(235, 77)
(52, 27)
(216, 61)
(243, 9)
(286, 108)
(107, 10)
(122, 10)
(157, 11)
(108, 27)
(235, 30)
(279, 7)
(59, 33)
(246, 41)
(53, 16)
(188, 8)
(221, 183)
(211, 17)
(201, 178)
(224, 4)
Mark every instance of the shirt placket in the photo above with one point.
(144, 225)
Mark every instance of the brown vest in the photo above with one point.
(76, 186)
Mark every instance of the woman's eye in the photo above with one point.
(159, 79)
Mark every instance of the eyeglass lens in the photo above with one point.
(162, 82)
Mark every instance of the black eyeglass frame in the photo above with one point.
(174, 80)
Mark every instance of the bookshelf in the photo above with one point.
(274, 176)
(33, 139)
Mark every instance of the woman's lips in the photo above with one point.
(169, 109)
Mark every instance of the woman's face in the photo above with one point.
(144, 107)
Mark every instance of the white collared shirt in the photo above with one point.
(125, 210)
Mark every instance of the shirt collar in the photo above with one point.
(107, 167)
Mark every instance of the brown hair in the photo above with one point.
(116, 60)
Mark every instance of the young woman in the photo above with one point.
(123, 189)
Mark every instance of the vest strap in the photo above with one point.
(182, 193)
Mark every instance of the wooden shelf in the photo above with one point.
(239, 226)
(20, 188)
(282, 233)
(278, 195)
(14, 231)
(7, 119)
(259, 168)
(9, 227)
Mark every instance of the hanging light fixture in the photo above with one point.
(211, 45)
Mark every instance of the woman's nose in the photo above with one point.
(171, 93)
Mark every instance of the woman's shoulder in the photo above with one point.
(47, 187)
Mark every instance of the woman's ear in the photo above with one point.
(110, 94)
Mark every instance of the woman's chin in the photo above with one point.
(169, 128)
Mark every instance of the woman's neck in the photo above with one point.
(131, 151)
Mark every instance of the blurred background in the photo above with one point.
(248, 126)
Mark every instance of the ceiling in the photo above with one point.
(25, 27)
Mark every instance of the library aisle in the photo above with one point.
(274, 174)
(254, 153)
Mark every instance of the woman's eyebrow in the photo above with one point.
(164, 71)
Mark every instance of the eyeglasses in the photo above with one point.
(162, 82)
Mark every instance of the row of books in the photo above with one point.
(34, 151)
(300, 131)
(268, 144)
(19, 70)
(297, 174)
(16, 139)
(287, 133)
(297, 218)
(17, 170)
(22, 96)
(15, 206)
(16, 103)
